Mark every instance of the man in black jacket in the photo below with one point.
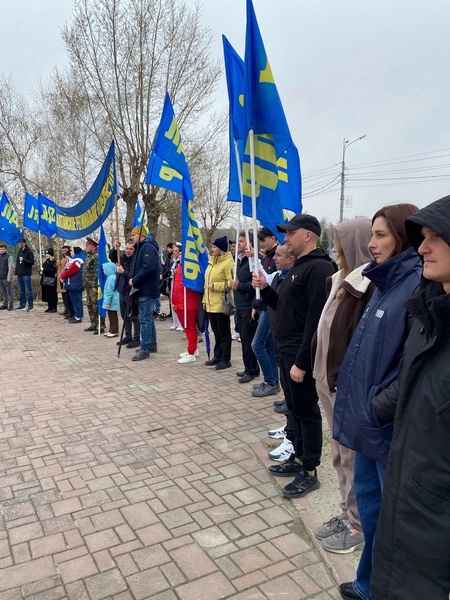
(412, 549)
(298, 304)
(244, 294)
(145, 269)
(24, 265)
(128, 308)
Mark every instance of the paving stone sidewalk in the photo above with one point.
(131, 480)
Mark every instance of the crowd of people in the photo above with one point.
(364, 336)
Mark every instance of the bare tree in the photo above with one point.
(124, 55)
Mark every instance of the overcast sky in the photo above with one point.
(344, 68)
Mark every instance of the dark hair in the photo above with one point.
(170, 245)
(2, 245)
(395, 215)
(130, 241)
(250, 236)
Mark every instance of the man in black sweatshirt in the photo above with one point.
(298, 304)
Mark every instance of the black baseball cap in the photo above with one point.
(264, 232)
(301, 222)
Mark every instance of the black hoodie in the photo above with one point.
(299, 303)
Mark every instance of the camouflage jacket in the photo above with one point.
(90, 273)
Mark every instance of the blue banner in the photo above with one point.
(168, 168)
(31, 213)
(138, 216)
(10, 232)
(103, 256)
(91, 212)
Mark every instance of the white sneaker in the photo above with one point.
(172, 327)
(196, 354)
(188, 358)
(277, 434)
(235, 335)
(283, 452)
(178, 329)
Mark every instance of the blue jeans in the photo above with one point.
(148, 329)
(25, 291)
(264, 349)
(77, 302)
(368, 481)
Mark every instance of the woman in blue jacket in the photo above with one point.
(371, 364)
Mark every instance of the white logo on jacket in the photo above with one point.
(379, 314)
(293, 277)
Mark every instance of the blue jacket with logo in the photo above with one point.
(372, 359)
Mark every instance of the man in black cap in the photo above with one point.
(90, 281)
(298, 304)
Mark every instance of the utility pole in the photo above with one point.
(345, 145)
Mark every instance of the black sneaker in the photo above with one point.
(223, 364)
(90, 328)
(211, 363)
(302, 485)
(3, 307)
(75, 320)
(347, 591)
(290, 468)
(134, 344)
(125, 340)
(140, 356)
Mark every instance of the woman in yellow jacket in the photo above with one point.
(218, 274)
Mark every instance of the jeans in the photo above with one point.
(368, 481)
(25, 291)
(148, 329)
(264, 349)
(77, 302)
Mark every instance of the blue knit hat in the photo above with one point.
(221, 243)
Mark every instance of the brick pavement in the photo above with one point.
(124, 480)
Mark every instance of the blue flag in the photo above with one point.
(278, 179)
(138, 216)
(168, 168)
(263, 109)
(47, 216)
(10, 232)
(103, 256)
(31, 213)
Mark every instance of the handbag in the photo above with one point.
(48, 281)
(228, 305)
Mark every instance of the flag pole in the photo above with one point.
(255, 224)
(116, 205)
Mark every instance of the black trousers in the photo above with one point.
(220, 324)
(247, 332)
(130, 323)
(303, 402)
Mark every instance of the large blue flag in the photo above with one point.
(168, 168)
(138, 216)
(103, 256)
(278, 179)
(31, 213)
(10, 232)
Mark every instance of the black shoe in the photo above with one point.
(96, 332)
(134, 344)
(3, 307)
(347, 591)
(46, 310)
(211, 363)
(246, 378)
(302, 485)
(52, 310)
(74, 320)
(90, 328)
(289, 468)
(125, 340)
(279, 402)
(240, 373)
(223, 364)
(154, 347)
(11, 307)
(140, 356)
(281, 409)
